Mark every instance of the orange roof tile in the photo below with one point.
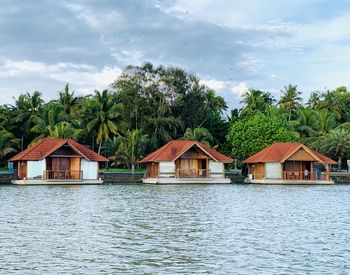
(175, 148)
(278, 152)
(47, 146)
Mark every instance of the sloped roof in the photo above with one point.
(279, 152)
(47, 146)
(175, 148)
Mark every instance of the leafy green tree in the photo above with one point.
(337, 143)
(290, 100)
(252, 134)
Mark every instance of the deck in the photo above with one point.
(186, 180)
(56, 182)
(290, 182)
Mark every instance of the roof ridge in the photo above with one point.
(69, 142)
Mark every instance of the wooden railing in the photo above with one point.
(193, 173)
(187, 173)
(63, 174)
(295, 175)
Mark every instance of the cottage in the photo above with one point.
(289, 163)
(56, 161)
(184, 161)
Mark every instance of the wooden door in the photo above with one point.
(22, 170)
(153, 170)
(75, 168)
(61, 168)
(60, 164)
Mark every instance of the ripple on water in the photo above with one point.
(168, 229)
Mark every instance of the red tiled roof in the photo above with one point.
(175, 148)
(47, 146)
(279, 152)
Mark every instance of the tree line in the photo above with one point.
(322, 123)
(144, 108)
(149, 105)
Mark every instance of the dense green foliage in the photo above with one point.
(323, 123)
(252, 134)
(147, 106)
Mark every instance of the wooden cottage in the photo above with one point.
(289, 163)
(184, 161)
(57, 161)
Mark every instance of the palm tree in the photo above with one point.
(199, 134)
(8, 143)
(44, 125)
(321, 123)
(290, 99)
(214, 104)
(64, 129)
(314, 101)
(106, 116)
(337, 144)
(26, 110)
(256, 100)
(130, 148)
(305, 122)
(67, 100)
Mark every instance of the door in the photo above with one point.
(61, 168)
(153, 170)
(22, 170)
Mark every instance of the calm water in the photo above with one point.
(139, 229)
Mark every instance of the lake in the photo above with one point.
(140, 229)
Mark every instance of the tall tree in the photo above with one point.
(337, 144)
(130, 148)
(67, 100)
(26, 110)
(106, 116)
(290, 100)
(256, 101)
(199, 134)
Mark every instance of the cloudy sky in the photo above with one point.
(230, 44)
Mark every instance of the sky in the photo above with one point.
(232, 45)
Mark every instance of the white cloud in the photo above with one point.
(84, 77)
(251, 64)
(95, 19)
(240, 89)
(214, 84)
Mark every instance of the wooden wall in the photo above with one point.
(75, 167)
(301, 155)
(257, 170)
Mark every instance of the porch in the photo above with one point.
(63, 174)
(305, 171)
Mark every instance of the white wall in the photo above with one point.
(35, 168)
(90, 169)
(166, 167)
(273, 170)
(216, 167)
